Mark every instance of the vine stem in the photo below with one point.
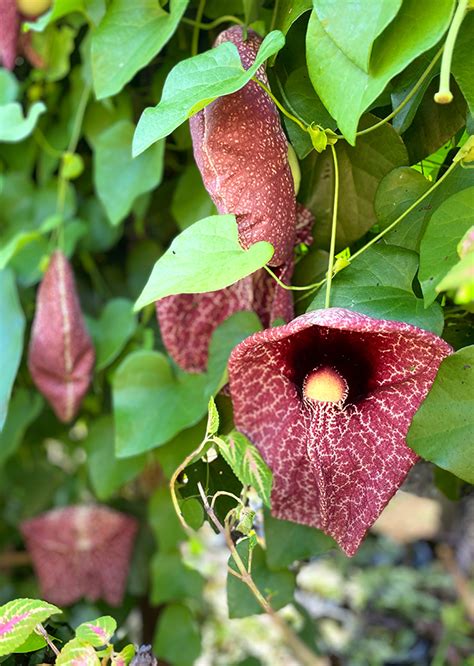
(187, 461)
(405, 101)
(290, 287)
(332, 248)
(304, 654)
(279, 105)
(213, 24)
(416, 203)
(195, 38)
(444, 94)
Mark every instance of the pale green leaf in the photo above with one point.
(438, 248)
(195, 82)
(111, 332)
(78, 653)
(120, 179)
(128, 38)
(441, 430)
(23, 409)
(13, 125)
(12, 326)
(204, 257)
(98, 632)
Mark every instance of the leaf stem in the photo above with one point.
(444, 94)
(332, 248)
(213, 24)
(187, 461)
(280, 106)
(197, 25)
(290, 287)
(304, 654)
(405, 101)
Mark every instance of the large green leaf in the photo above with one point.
(120, 179)
(8, 87)
(288, 11)
(18, 619)
(288, 542)
(346, 89)
(111, 332)
(441, 430)
(194, 83)
(277, 586)
(13, 125)
(361, 168)
(379, 284)
(107, 474)
(23, 409)
(191, 201)
(177, 637)
(12, 326)
(127, 39)
(173, 580)
(354, 26)
(204, 257)
(462, 66)
(447, 226)
(246, 463)
(153, 402)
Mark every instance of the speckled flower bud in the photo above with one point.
(242, 153)
(61, 355)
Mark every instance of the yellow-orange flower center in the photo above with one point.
(325, 384)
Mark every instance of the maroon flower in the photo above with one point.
(242, 153)
(81, 551)
(61, 355)
(12, 40)
(328, 400)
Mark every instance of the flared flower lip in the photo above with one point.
(335, 466)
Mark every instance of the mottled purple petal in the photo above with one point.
(61, 355)
(81, 551)
(335, 466)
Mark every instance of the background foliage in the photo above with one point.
(67, 174)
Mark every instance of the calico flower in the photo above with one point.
(242, 153)
(81, 551)
(328, 400)
(61, 355)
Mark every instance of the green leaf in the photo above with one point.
(288, 11)
(277, 586)
(461, 280)
(379, 284)
(441, 430)
(23, 409)
(191, 200)
(123, 657)
(8, 87)
(107, 474)
(111, 332)
(397, 191)
(98, 632)
(128, 38)
(303, 101)
(78, 653)
(55, 46)
(461, 66)
(163, 520)
(177, 638)
(12, 326)
(286, 542)
(353, 36)
(212, 417)
(447, 226)
(173, 580)
(347, 90)
(31, 644)
(246, 463)
(23, 238)
(194, 83)
(204, 257)
(120, 179)
(18, 619)
(13, 126)
(360, 171)
(152, 403)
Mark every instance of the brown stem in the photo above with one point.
(461, 583)
(304, 654)
(14, 559)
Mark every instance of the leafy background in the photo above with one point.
(66, 135)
